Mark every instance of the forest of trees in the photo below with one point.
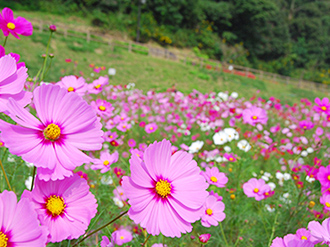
(290, 37)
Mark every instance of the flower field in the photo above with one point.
(88, 163)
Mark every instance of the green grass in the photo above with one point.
(148, 73)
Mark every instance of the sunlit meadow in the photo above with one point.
(88, 163)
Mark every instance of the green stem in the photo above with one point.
(273, 229)
(223, 234)
(100, 228)
(33, 177)
(50, 64)
(4, 43)
(45, 61)
(4, 172)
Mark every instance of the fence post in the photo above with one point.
(88, 36)
(246, 72)
(201, 65)
(130, 46)
(41, 26)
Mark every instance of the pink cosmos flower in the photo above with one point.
(124, 126)
(166, 192)
(254, 115)
(109, 136)
(64, 206)
(204, 238)
(106, 242)
(320, 233)
(12, 80)
(212, 212)
(97, 86)
(322, 105)
(73, 84)
(121, 236)
(325, 200)
(324, 176)
(19, 225)
(291, 240)
(102, 108)
(105, 161)
(213, 176)
(67, 124)
(256, 188)
(8, 24)
(120, 193)
(131, 143)
(150, 128)
(306, 125)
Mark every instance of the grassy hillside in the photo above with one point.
(145, 71)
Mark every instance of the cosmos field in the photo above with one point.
(88, 163)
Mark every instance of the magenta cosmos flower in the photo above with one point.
(12, 82)
(166, 192)
(256, 188)
(212, 212)
(67, 124)
(324, 176)
(204, 238)
(254, 115)
(19, 225)
(73, 84)
(322, 105)
(8, 24)
(64, 206)
(213, 176)
(106, 242)
(103, 108)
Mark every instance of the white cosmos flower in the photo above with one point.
(244, 145)
(195, 146)
(107, 180)
(234, 95)
(282, 177)
(272, 185)
(309, 179)
(220, 138)
(231, 133)
(223, 96)
(304, 153)
(269, 208)
(227, 149)
(112, 71)
(118, 202)
(310, 150)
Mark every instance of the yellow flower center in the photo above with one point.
(102, 108)
(303, 238)
(3, 240)
(329, 177)
(305, 127)
(121, 237)
(254, 117)
(52, 132)
(106, 162)
(11, 25)
(214, 179)
(327, 204)
(323, 108)
(70, 89)
(163, 188)
(151, 128)
(209, 211)
(231, 159)
(256, 190)
(124, 126)
(1, 144)
(97, 86)
(266, 194)
(55, 205)
(232, 196)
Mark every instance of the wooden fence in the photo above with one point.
(95, 36)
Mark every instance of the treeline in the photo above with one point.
(290, 37)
